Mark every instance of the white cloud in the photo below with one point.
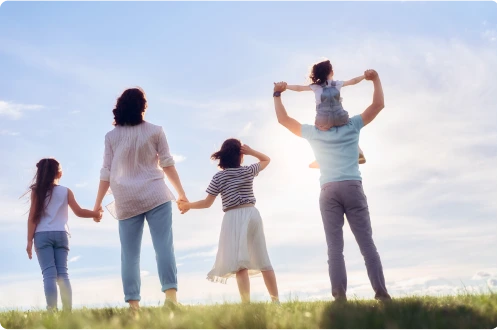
(14, 111)
(81, 185)
(178, 158)
(490, 35)
(9, 133)
(73, 259)
(144, 273)
(246, 130)
(74, 112)
(481, 275)
(200, 254)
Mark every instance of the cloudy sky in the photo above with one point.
(208, 71)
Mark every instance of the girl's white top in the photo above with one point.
(134, 158)
(55, 217)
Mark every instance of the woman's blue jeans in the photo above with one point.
(159, 220)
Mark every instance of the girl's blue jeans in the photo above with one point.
(52, 248)
(159, 220)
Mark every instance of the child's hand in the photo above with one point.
(280, 86)
(29, 249)
(370, 74)
(246, 149)
(183, 206)
(99, 214)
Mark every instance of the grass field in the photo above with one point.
(463, 311)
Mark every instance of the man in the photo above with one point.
(336, 151)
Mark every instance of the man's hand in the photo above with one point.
(280, 86)
(29, 249)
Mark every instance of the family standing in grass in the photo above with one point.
(136, 160)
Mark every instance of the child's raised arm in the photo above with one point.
(264, 159)
(82, 213)
(354, 81)
(202, 204)
(298, 88)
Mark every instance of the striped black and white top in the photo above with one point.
(235, 185)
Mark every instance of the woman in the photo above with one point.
(136, 158)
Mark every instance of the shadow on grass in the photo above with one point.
(408, 313)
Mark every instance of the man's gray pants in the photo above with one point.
(347, 198)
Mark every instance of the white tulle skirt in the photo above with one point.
(241, 245)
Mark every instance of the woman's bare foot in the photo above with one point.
(314, 164)
(134, 305)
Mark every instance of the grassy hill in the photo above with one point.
(463, 311)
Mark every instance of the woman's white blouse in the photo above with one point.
(134, 158)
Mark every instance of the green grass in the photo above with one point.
(462, 311)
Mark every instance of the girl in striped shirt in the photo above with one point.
(242, 251)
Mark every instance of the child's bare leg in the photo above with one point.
(314, 164)
(271, 284)
(362, 159)
(243, 284)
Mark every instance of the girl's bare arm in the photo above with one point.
(298, 88)
(354, 81)
(264, 159)
(201, 204)
(82, 213)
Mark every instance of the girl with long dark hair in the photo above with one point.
(48, 227)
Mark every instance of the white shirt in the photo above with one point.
(55, 215)
(317, 89)
(134, 158)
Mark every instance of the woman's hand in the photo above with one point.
(183, 206)
(29, 249)
(98, 209)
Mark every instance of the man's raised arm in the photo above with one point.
(282, 116)
(378, 98)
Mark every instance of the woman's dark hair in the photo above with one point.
(129, 107)
(229, 154)
(320, 71)
(42, 185)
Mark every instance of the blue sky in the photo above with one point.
(208, 70)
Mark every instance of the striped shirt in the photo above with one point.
(235, 185)
(134, 158)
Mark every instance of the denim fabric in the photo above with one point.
(159, 220)
(52, 248)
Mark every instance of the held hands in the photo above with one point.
(29, 249)
(181, 204)
(280, 86)
(99, 212)
(371, 74)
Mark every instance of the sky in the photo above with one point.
(208, 71)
